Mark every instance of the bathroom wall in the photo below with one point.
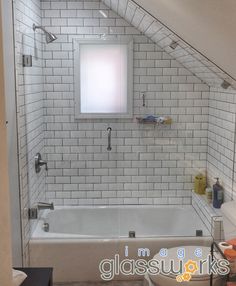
(219, 162)
(221, 139)
(147, 164)
(30, 111)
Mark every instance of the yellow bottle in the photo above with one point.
(200, 184)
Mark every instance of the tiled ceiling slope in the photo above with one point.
(190, 58)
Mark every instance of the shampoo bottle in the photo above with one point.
(217, 195)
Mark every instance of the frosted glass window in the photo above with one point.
(103, 79)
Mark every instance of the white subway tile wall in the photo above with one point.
(147, 164)
(30, 109)
(221, 139)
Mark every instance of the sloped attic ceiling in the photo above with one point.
(208, 25)
(189, 57)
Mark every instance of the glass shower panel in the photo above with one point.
(32, 127)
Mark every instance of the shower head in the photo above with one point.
(50, 37)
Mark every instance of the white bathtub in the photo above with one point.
(80, 237)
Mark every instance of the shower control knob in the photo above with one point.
(39, 163)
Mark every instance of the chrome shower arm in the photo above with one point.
(50, 37)
(39, 27)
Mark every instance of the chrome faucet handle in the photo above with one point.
(39, 163)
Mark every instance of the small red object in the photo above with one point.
(232, 242)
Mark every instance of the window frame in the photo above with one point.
(77, 91)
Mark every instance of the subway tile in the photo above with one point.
(75, 5)
(68, 13)
(58, 5)
(51, 13)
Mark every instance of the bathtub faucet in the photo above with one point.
(33, 212)
(44, 206)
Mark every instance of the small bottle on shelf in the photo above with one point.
(218, 194)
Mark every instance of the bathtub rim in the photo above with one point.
(39, 233)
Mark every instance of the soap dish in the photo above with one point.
(159, 120)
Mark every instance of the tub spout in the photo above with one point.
(33, 212)
(44, 206)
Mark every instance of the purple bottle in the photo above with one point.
(217, 195)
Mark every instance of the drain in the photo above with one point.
(131, 234)
(46, 227)
(199, 232)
